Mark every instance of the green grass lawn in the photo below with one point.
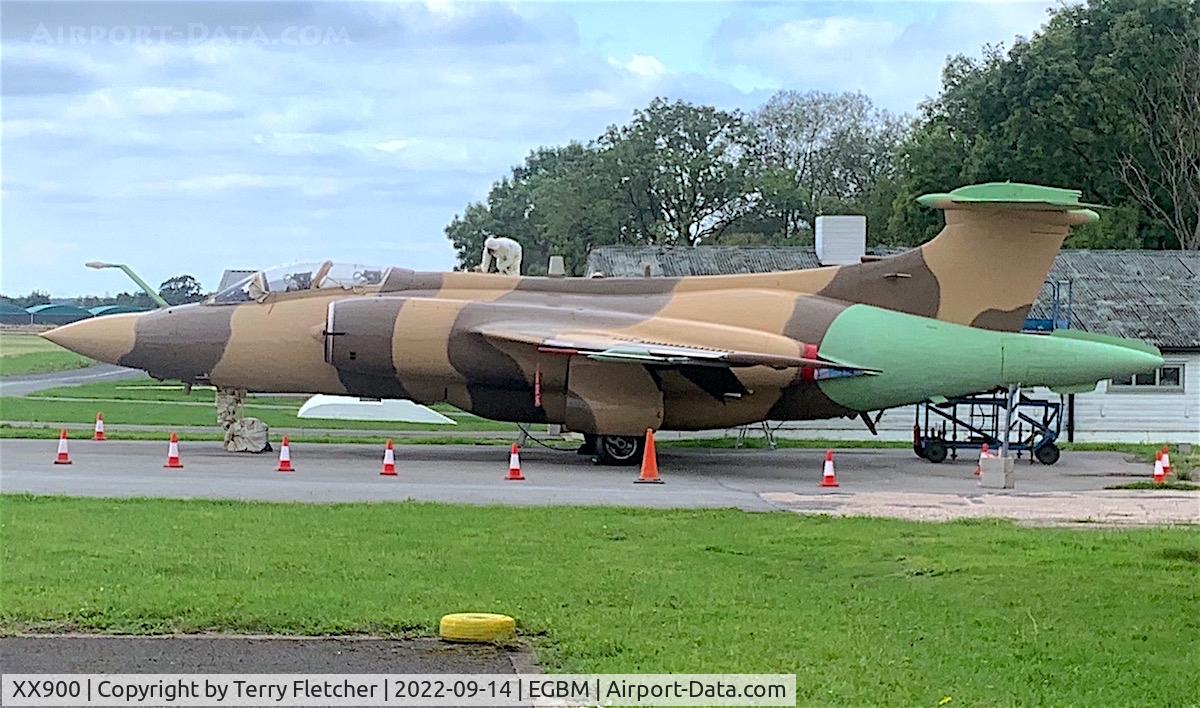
(1170, 485)
(348, 437)
(23, 353)
(34, 409)
(142, 388)
(145, 401)
(862, 610)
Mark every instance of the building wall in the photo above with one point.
(1101, 416)
(1136, 416)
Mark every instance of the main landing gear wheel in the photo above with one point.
(621, 450)
(1047, 454)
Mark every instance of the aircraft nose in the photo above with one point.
(106, 338)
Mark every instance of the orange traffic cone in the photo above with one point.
(389, 460)
(1160, 474)
(1166, 458)
(99, 434)
(828, 476)
(285, 457)
(62, 458)
(514, 464)
(649, 473)
(173, 454)
(983, 454)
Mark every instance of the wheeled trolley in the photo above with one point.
(942, 429)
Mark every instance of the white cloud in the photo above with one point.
(330, 112)
(819, 36)
(417, 115)
(216, 183)
(305, 185)
(25, 127)
(645, 66)
(98, 104)
(393, 145)
(167, 100)
(894, 60)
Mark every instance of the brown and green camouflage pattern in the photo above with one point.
(475, 340)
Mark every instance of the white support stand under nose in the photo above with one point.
(1000, 472)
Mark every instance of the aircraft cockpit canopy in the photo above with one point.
(298, 277)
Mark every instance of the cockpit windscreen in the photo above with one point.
(301, 276)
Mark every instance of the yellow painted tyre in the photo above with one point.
(477, 627)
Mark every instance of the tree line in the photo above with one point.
(1106, 98)
(178, 290)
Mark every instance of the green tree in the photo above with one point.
(559, 202)
(1059, 109)
(137, 299)
(34, 298)
(682, 171)
(819, 153)
(1167, 181)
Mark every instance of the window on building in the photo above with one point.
(1168, 378)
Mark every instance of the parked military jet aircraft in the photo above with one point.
(611, 357)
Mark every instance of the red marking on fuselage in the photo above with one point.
(809, 373)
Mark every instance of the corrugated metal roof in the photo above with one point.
(631, 261)
(664, 261)
(1148, 295)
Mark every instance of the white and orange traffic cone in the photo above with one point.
(99, 432)
(1166, 458)
(1160, 474)
(285, 457)
(389, 460)
(828, 475)
(173, 454)
(649, 472)
(983, 455)
(514, 464)
(63, 457)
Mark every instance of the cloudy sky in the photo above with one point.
(196, 136)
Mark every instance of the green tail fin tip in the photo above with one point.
(1012, 195)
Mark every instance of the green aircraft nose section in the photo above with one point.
(1072, 358)
(919, 358)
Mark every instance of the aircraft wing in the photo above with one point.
(620, 348)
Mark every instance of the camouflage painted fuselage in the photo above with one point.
(937, 320)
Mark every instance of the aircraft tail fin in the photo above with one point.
(985, 267)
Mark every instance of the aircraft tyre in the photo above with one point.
(935, 451)
(619, 450)
(477, 627)
(1047, 454)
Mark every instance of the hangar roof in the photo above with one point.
(57, 309)
(1148, 295)
(101, 310)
